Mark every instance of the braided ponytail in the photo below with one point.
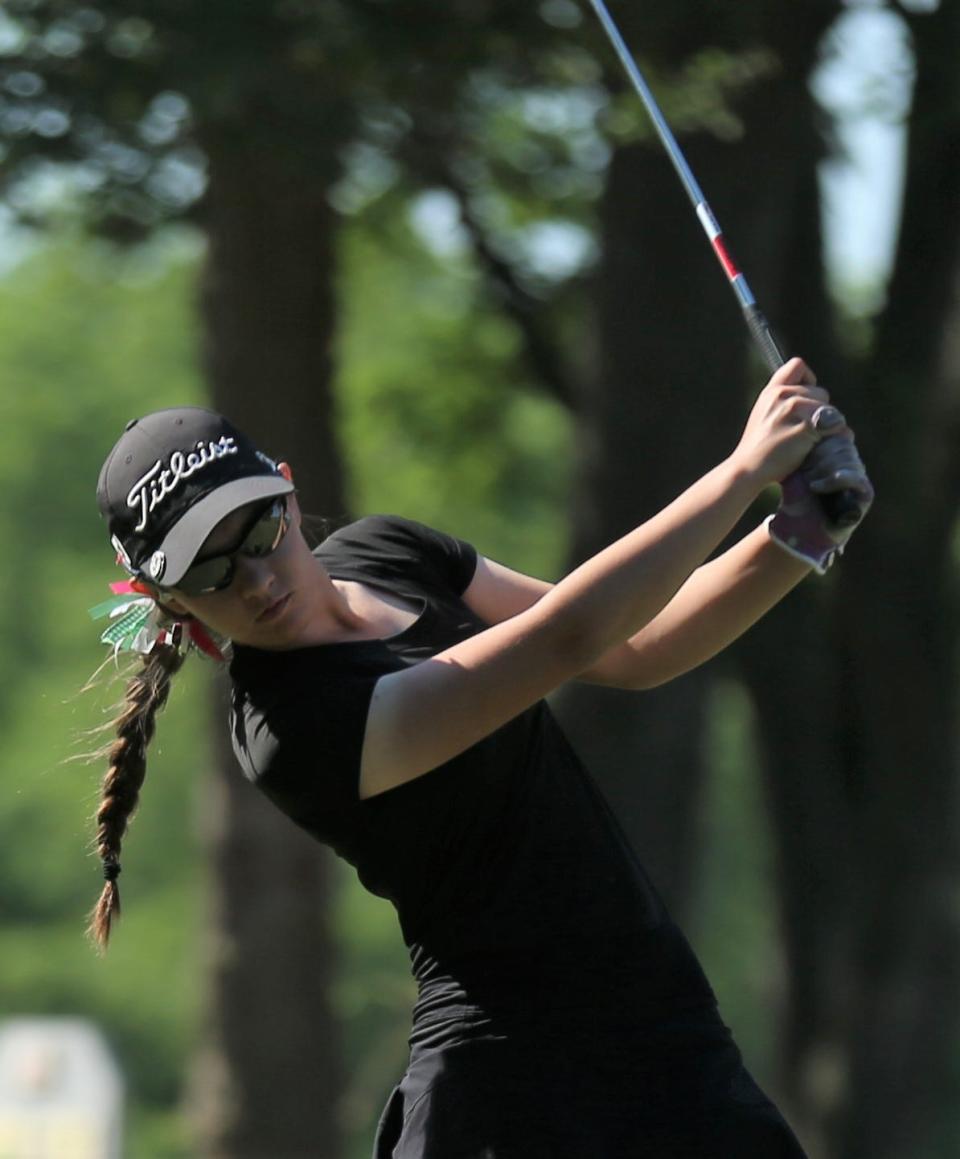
(146, 695)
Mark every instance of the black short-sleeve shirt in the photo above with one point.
(505, 864)
(560, 1012)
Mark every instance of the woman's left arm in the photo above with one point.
(715, 606)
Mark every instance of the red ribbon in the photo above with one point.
(128, 587)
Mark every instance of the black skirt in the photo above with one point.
(679, 1092)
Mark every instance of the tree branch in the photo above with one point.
(428, 160)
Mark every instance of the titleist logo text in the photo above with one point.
(159, 482)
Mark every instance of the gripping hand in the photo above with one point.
(800, 525)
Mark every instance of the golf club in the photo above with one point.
(842, 508)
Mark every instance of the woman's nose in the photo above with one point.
(254, 577)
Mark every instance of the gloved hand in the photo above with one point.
(799, 526)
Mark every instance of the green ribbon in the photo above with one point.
(100, 610)
(125, 628)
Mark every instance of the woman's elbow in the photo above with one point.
(624, 669)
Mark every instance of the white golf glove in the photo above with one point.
(800, 525)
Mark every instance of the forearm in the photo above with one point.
(716, 605)
(616, 593)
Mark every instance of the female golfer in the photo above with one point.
(388, 697)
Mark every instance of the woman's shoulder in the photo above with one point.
(365, 526)
(378, 529)
(393, 546)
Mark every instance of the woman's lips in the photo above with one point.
(274, 610)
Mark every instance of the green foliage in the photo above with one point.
(439, 419)
(702, 96)
(77, 359)
(130, 101)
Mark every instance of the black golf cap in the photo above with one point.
(170, 479)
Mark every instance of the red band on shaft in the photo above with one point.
(720, 249)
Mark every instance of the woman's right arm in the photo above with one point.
(423, 716)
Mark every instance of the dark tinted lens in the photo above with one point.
(207, 576)
(266, 533)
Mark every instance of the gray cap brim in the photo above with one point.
(179, 549)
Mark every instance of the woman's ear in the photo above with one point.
(169, 604)
(172, 605)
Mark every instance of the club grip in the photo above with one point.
(763, 337)
(841, 508)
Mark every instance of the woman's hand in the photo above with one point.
(801, 525)
(779, 433)
(793, 437)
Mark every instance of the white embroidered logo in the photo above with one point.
(159, 482)
(157, 565)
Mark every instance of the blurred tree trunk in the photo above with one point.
(856, 695)
(897, 602)
(269, 1078)
(788, 660)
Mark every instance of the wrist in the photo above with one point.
(742, 480)
(813, 550)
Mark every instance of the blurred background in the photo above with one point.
(432, 255)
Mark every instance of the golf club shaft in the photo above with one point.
(842, 508)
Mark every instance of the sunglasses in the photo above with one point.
(261, 539)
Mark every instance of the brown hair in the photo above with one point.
(146, 695)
